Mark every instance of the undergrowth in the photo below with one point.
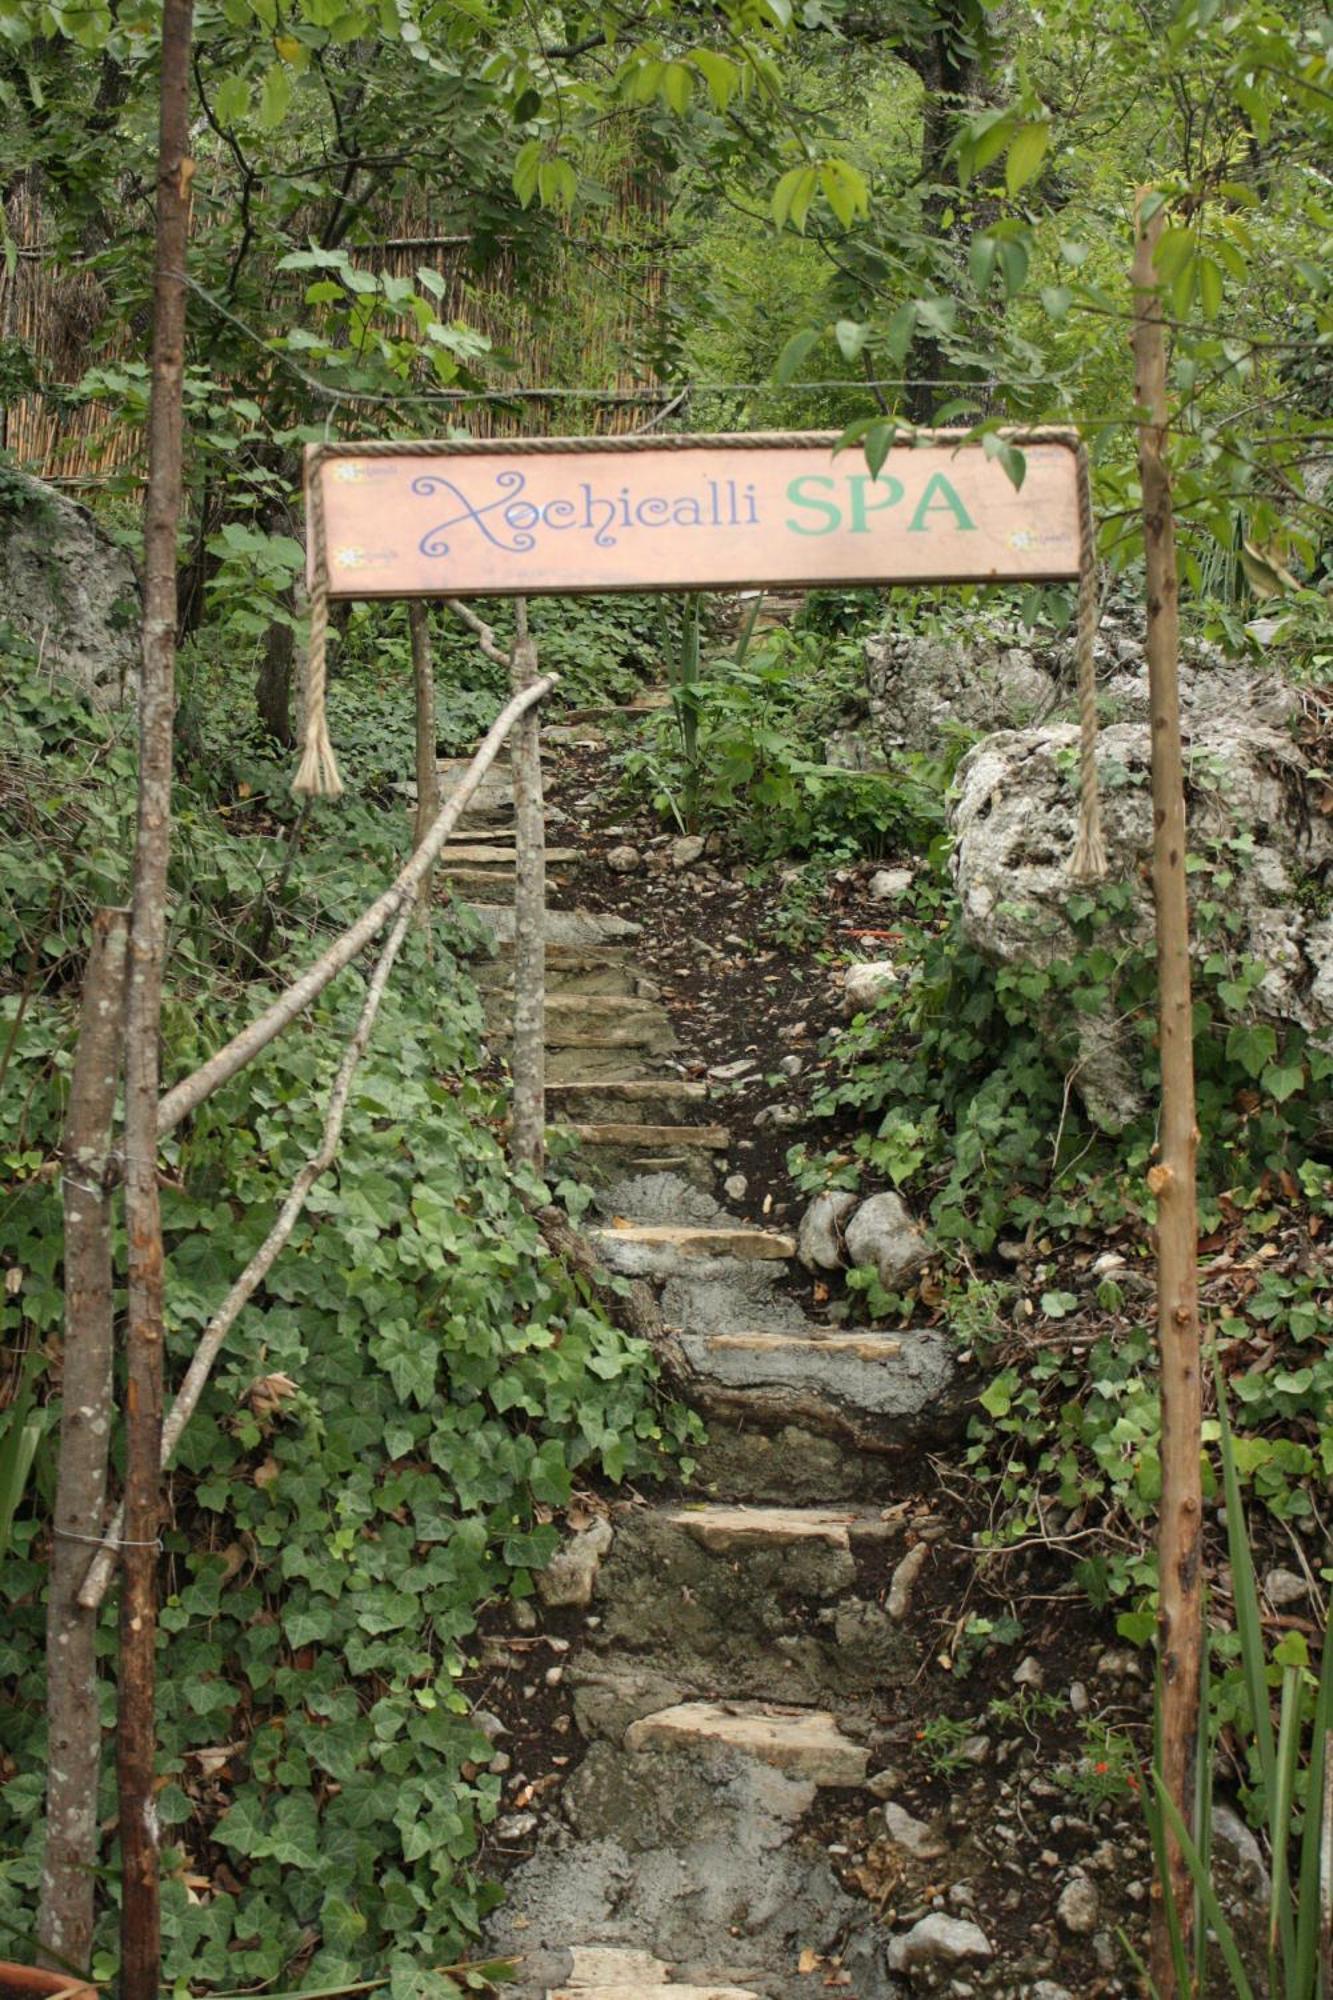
(412, 1394)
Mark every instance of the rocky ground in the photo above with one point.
(792, 1729)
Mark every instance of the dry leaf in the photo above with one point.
(809, 1961)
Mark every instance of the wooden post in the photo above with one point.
(1172, 1179)
(136, 1736)
(528, 1057)
(74, 1726)
(428, 762)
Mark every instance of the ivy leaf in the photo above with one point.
(275, 96)
(1252, 1044)
(1282, 1081)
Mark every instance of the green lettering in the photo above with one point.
(860, 483)
(938, 494)
(801, 498)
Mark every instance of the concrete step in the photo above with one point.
(581, 928)
(661, 1249)
(611, 1965)
(578, 1098)
(651, 702)
(807, 1743)
(781, 1604)
(570, 969)
(648, 1989)
(876, 1392)
(472, 853)
(592, 1020)
(651, 1138)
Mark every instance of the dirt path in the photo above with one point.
(791, 1730)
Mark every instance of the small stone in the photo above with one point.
(888, 885)
(730, 1072)
(687, 850)
(791, 1065)
(913, 1834)
(1049, 1858)
(734, 1187)
(938, 1940)
(1283, 1586)
(819, 1240)
(1231, 1833)
(1046, 1989)
(489, 1725)
(571, 1575)
(886, 1782)
(1119, 1664)
(976, 1750)
(1103, 1951)
(1110, 1260)
(1078, 1698)
(523, 1614)
(1029, 1673)
(516, 1826)
(864, 984)
(1078, 1907)
(903, 1582)
(959, 1896)
(883, 1234)
(553, 1676)
(624, 860)
(778, 1118)
(500, 1763)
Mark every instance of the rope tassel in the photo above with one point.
(317, 775)
(1088, 861)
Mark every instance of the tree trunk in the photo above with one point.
(273, 683)
(1172, 1179)
(428, 762)
(528, 1058)
(140, 1888)
(74, 1729)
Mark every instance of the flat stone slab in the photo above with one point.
(565, 927)
(725, 1529)
(808, 1745)
(655, 1138)
(878, 1392)
(610, 1965)
(668, 1242)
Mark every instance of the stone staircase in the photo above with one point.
(733, 1665)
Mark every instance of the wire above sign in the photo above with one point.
(498, 518)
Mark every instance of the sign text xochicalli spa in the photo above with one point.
(705, 514)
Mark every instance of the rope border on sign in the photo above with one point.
(317, 774)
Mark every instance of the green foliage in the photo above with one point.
(1289, 1771)
(750, 758)
(409, 1398)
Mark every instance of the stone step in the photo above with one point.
(634, 1091)
(651, 1138)
(492, 882)
(593, 1020)
(658, 1249)
(472, 853)
(583, 972)
(781, 1604)
(874, 1391)
(651, 702)
(563, 927)
(807, 1743)
(612, 1965)
(649, 1989)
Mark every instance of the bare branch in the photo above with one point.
(188, 1095)
(484, 633)
(201, 1367)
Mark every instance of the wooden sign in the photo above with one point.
(705, 513)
